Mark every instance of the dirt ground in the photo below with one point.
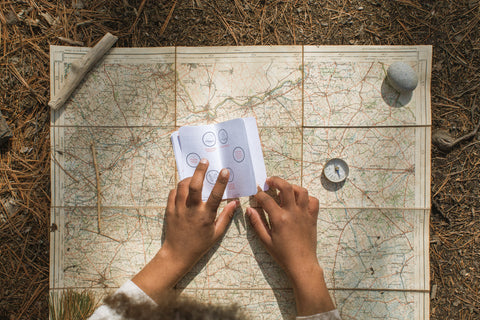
(29, 27)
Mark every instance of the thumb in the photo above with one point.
(224, 218)
(259, 226)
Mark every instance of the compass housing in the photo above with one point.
(336, 170)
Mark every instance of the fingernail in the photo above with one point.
(258, 188)
(204, 161)
(248, 212)
(237, 203)
(224, 173)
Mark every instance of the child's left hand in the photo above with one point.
(192, 227)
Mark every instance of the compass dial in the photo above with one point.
(336, 170)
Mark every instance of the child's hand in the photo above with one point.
(192, 228)
(291, 238)
(192, 225)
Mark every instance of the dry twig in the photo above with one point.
(99, 189)
(80, 69)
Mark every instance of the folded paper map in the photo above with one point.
(234, 145)
(311, 104)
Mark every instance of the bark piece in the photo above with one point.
(5, 132)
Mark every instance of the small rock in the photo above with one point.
(433, 295)
(32, 22)
(78, 4)
(442, 140)
(11, 207)
(360, 8)
(25, 150)
(324, 24)
(402, 77)
(11, 18)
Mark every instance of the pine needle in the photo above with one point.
(71, 305)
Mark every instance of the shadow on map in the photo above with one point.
(273, 274)
(392, 97)
(331, 186)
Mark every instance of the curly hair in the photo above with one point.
(173, 308)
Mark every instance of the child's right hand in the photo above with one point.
(291, 239)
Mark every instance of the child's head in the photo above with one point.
(173, 308)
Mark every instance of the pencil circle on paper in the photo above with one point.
(209, 139)
(230, 177)
(193, 159)
(212, 176)
(222, 136)
(238, 154)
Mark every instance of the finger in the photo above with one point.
(301, 196)
(224, 219)
(217, 192)
(267, 203)
(313, 206)
(287, 196)
(171, 202)
(196, 184)
(182, 192)
(263, 217)
(259, 226)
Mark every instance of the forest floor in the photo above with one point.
(29, 27)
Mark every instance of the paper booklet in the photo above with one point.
(232, 144)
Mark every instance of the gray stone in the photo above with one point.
(78, 4)
(402, 77)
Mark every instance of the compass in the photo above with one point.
(335, 170)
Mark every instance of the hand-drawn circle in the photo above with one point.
(212, 176)
(209, 139)
(222, 136)
(238, 154)
(230, 177)
(193, 159)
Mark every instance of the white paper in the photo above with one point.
(234, 145)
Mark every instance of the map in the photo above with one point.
(113, 165)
